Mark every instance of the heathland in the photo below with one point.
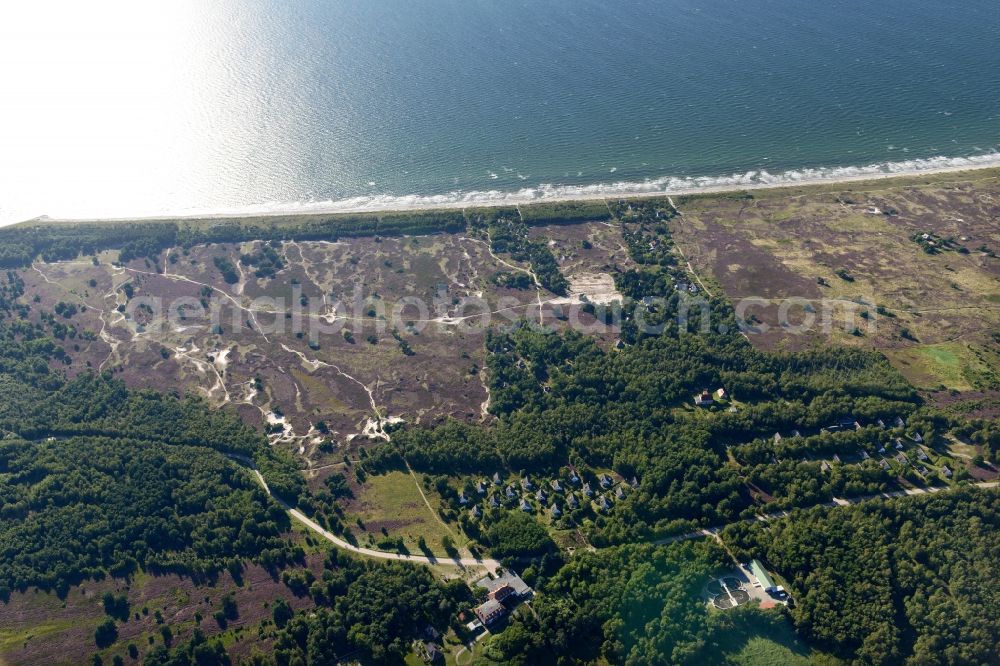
(559, 386)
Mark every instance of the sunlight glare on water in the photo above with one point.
(113, 108)
(124, 107)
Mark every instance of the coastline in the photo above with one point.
(546, 194)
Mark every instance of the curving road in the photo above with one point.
(492, 565)
(463, 562)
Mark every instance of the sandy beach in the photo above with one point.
(672, 186)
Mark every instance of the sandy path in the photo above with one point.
(519, 269)
(102, 314)
(332, 317)
(493, 565)
(251, 312)
(681, 253)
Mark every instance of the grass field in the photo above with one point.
(392, 501)
(954, 365)
(765, 639)
(961, 449)
(928, 366)
(13, 639)
(766, 651)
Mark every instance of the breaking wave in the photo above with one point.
(664, 185)
(556, 192)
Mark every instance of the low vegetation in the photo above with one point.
(265, 260)
(99, 480)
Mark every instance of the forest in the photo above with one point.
(97, 479)
(369, 611)
(564, 212)
(885, 582)
(361, 612)
(905, 580)
(100, 480)
(84, 507)
(510, 235)
(626, 605)
(562, 399)
(266, 261)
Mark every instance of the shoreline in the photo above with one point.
(705, 185)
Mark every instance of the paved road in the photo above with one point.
(464, 562)
(493, 565)
(714, 531)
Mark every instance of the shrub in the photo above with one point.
(106, 633)
(282, 613)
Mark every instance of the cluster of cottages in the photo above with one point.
(919, 458)
(551, 496)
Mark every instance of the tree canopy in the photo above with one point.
(910, 579)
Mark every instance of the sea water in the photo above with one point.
(111, 109)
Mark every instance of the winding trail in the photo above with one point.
(681, 252)
(251, 312)
(102, 314)
(376, 427)
(484, 408)
(113, 343)
(201, 367)
(329, 318)
(424, 497)
(520, 269)
(315, 364)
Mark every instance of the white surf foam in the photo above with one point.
(558, 192)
